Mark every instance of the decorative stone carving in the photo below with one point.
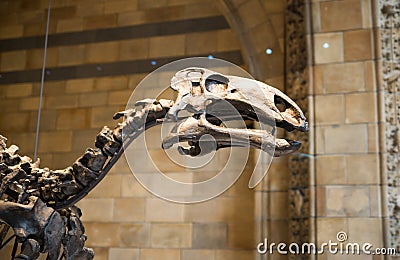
(389, 32)
(296, 58)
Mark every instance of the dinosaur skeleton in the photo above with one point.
(38, 204)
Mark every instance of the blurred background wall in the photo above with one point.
(334, 58)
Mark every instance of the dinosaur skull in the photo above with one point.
(202, 91)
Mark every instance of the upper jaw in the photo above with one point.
(268, 103)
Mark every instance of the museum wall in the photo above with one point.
(85, 85)
(87, 81)
(347, 162)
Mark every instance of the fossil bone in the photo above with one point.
(191, 130)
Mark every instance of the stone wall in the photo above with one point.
(347, 162)
(332, 69)
(93, 64)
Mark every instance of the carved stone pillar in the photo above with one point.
(297, 87)
(389, 36)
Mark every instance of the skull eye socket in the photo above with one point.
(280, 104)
(217, 83)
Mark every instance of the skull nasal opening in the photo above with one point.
(280, 103)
